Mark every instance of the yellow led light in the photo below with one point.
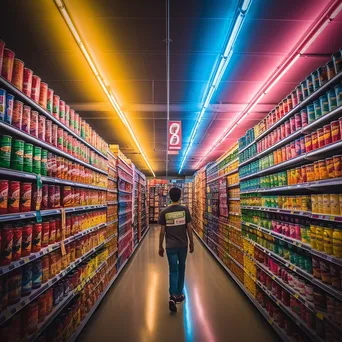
(62, 8)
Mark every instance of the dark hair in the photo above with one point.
(175, 194)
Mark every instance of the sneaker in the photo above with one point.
(180, 299)
(172, 304)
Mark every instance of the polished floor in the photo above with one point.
(136, 307)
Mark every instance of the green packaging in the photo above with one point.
(5, 150)
(17, 158)
(28, 157)
(37, 159)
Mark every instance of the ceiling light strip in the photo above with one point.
(107, 91)
(304, 43)
(219, 72)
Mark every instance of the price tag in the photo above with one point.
(296, 295)
(38, 216)
(291, 212)
(320, 315)
(332, 218)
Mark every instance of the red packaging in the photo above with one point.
(17, 115)
(335, 131)
(66, 196)
(26, 245)
(283, 153)
(51, 165)
(34, 123)
(48, 131)
(2, 48)
(26, 119)
(56, 101)
(25, 197)
(77, 124)
(6, 245)
(45, 196)
(67, 115)
(320, 138)
(293, 149)
(3, 196)
(51, 197)
(60, 167)
(43, 94)
(65, 141)
(36, 237)
(45, 233)
(27, 84)
(297, 148)
(35, 88)
(314, 140)
(298, 121)
(49, 100)
(13, 196)
(278, 134)
(42, 127)
(282, 131)
(68, 227)
(308, 143)
(62, 111)
(287, 128)
(327, 134)
(52, 236)
(58, 230)
(302, 145)
(17, 242)
(292, 124)
(7, 65)
(269, 140)
(18, 74)
(54, 135)
(72, 120)
(57, 196)
(60, 136)
(36, 198)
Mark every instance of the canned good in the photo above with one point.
(36, 198)
(49, 100)
(310, 172)
(324, 104)
(26, 282)
(292, 124)
(17, 157)
(54, 135)
(327, 135)
(57, 199)
(332, 100)
(60, 138)
(337, 165)
(330, 70)
(3, 197)
(26, 246)
(51, 198)
(338, 91)
(330, 167)
(44, 157)
(323, 173)
(14, 286)
(56, 103)
(35, 92)
(67, 115)
(2, 104)
(335, 131)
(41, 127)
(2, 48)
(320, 138)
(13, 196)
(311, 110)
(335, 204)
(18, 74)
(6, 245)
(45, 233)
(27, 83)
(34, 123)
(25, 197)
(305, 90)
(5, 150)
(17, 115)
(36, 237)
(43, 95)
(62, 111)
(9, 108)
(37, 158)
(7, 64)
(303, 117)
(315, 80)
(317, 175)
(314, 140)
(45, 196)
(37, 273)
(337, 243)
(309, 84)
(48, 131)
(337, 59)
(26, 118)
(287, 128)
(42, 304)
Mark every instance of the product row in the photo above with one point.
(13, 71)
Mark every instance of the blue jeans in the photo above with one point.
(176, 258)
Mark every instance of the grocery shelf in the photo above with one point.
(112, 168)
(297, 270)
(47, 212)
(233, 185)
(125, 212)
(224, 175)
(307, 157)
(123, 236)
(324, 217)
(126, 247)
(233, 198)
(122, 224)
(303, 186)
(43, 144)
(125, 192)
(112, 179)
(112, 202)
(18, 94)
(13, 309)
(124, 161)
(301, 105)
(268, 318)
(296, 243)
(222, 168)
(49, 249)
(115, 191)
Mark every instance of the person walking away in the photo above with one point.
(175, 221)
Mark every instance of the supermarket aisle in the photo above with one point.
(136, 308)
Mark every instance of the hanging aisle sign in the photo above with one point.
(175, 136)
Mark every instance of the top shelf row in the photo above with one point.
(19, 83)
(318, 82)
